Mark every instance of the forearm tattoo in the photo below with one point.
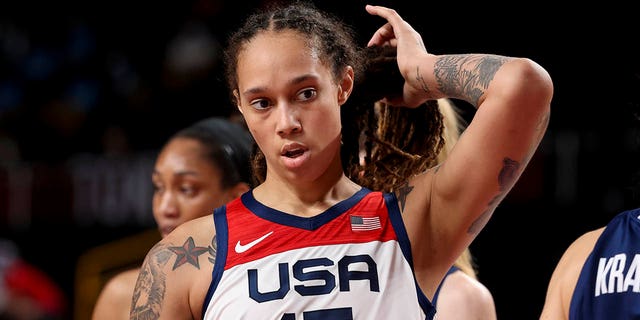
(466, 76)
(148, 295)
(506, 178)
(423, 83)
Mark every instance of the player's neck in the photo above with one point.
(301, 201)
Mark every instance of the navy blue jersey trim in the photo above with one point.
(311, 223)
(222, 240)
(405, 245)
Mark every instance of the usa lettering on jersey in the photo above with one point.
(615, 275)
(316, 271)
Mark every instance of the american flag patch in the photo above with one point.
(359, 223)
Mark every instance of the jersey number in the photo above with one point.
(333, 314)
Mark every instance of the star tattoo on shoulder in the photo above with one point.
(188, 253)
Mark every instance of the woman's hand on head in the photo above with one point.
(410, 47)
(398, 33)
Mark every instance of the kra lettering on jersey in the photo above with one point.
(320, 274)
(615, 275)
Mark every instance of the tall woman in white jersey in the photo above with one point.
(318, 244)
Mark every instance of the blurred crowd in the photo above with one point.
(92, 88)
(88, 93)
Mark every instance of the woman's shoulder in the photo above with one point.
(460, 289)
(576, 254)
(123, 282)
(198, 230)
(583, 245)
(115, 297)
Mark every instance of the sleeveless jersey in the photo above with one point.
(352, 261)
(609, 283)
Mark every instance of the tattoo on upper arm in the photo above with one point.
(541, 128)
(506, 179)
(508, 173)
(482, 220)
(543, 124)
(213, 249)
(150, 288)
(403, 192)
(466, 76)
(148, 294)
(188, 253)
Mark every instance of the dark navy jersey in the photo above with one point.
(609, 283)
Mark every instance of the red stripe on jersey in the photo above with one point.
(246, 227)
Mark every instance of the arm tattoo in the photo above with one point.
(149, 291)
(507, 175)
(213, 249)
(541, 127)
(466, 76)
(148, 295)
(423, 83)
(188, 253)
(403, 192)
(506, 178)
(482, 220)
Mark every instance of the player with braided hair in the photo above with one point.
(310, 242)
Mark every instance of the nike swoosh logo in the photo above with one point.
(242, 248)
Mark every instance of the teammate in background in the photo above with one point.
(309, 242)
(200, 168)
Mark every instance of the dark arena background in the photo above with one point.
(89, 91)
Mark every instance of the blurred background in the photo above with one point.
(89, 91)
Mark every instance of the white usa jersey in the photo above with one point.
(352, 261)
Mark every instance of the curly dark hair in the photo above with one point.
(397, 142)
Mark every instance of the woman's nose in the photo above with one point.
(168, 205)
(288, 121)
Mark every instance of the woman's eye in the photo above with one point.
(188, 190)
(260, 104)
(307, 94)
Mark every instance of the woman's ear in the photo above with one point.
(345, 86)
(236, 95)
